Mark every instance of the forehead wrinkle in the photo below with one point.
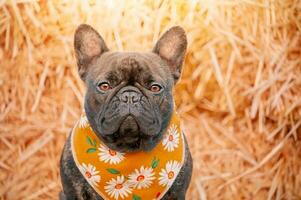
(129, 67)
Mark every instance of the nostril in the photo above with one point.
(124, 98)
(135, 99)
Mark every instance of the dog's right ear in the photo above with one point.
(88, 45)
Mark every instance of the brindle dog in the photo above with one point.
(128, 102)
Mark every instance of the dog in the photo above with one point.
(129, 107)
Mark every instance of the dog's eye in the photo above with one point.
(155, 87)
(104, 86)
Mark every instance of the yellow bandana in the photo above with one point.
(135, 175)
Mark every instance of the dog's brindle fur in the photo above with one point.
(128, 116)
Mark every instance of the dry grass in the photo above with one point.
(240, 95)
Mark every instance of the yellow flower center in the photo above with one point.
(140, 178)
(112, 153)
(88, 174)
(170, 138)
(118, 186)
(171, 174)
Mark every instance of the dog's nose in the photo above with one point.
(130, 97)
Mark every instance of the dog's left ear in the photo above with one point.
(171, 47)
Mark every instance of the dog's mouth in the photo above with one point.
(124, 137)
(128, 137)
(132, 136)
(129, 126)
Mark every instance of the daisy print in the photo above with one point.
(83, 122)
(168, 175)
(141, 178)
(108, 155)
(118, 187)
(171, 139)
(90, 173)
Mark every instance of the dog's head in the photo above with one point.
(129, 99)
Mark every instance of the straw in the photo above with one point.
(239, 95)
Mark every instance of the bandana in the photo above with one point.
(133, 175)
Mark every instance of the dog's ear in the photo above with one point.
(88, 45)
(171, 47)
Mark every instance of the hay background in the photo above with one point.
(239, 96)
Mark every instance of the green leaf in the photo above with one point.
(154, 159)
(136, 197)
(113, 171)
(94, 143)
(91, 150)
(89, 141)
(155, 163)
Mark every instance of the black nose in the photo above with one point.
(130, 97)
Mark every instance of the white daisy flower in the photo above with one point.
(118, 187)
(90, 173)
(108, 155)
(83, 122)
(169, 174)
(142, 178)
(171, 139)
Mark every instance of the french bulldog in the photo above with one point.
(128, 103)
